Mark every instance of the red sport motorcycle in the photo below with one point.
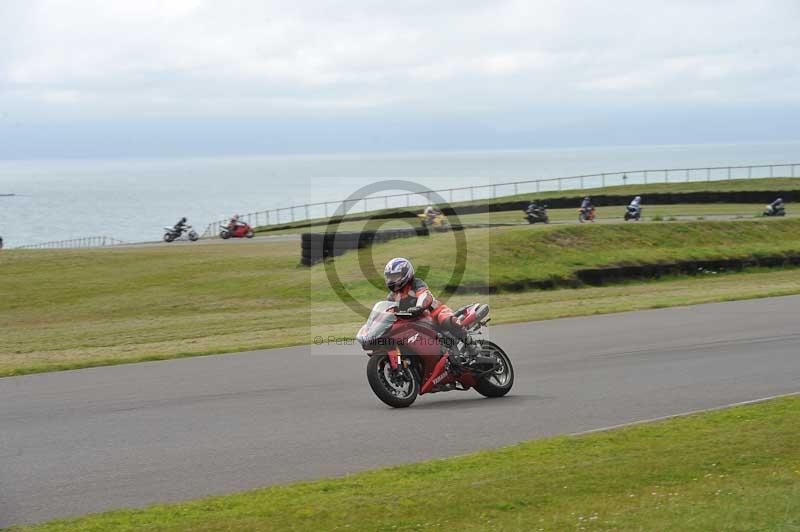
(236, 230)
(411, 356)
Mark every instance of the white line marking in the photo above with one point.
(683, 414)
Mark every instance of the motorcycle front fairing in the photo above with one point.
(378, 323)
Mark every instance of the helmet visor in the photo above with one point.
(394, 278)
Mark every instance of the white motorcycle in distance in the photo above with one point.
(634, 210)
(170, 234)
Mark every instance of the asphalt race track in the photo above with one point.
(96, 439)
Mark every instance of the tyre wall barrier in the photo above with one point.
(601, 276)
(617, 274)
(320, 246)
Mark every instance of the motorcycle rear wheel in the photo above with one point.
(397, 388)
(499, 382)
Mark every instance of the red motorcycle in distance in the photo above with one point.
(586, 215)
(236, 230)
(410, 356)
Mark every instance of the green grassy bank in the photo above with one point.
(76, 308)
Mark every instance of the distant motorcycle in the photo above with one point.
(633, 212)
(170, 233)
(241, 230)
(537, 214)
(437, 223)
(586, 214)
(772, 210)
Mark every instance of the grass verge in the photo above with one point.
(79, 308)
(733, 469)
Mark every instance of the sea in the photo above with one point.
(132, 199)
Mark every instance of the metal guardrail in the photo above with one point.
(85, 242)
(324, 209)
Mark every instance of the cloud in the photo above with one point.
(129, 59)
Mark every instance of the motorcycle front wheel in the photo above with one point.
(498, 382)
(397, 388)
(168, 237)
(193, 236)
(224, 234)
(250, 234)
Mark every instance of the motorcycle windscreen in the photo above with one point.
(379, 322)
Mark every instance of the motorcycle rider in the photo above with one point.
(536, 212)
(635, 205)
(234, 223)
(412, 295)
(587, 204)
(776, 206)
(180, 227)
(431, 213)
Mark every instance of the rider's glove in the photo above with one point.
(416, 311)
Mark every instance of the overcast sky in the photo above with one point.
(195, 77)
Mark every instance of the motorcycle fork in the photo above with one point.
(394, 358)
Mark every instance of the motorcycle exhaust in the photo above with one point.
(480, 359)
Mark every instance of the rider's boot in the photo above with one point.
(466, 355)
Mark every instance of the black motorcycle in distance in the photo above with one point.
(537, 214)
